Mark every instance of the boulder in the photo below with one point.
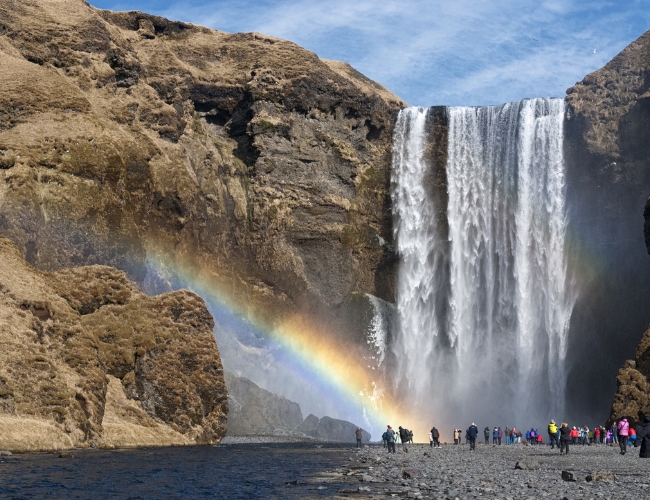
(410, 473)
(604, 476)
(569, 476)
(527, 464)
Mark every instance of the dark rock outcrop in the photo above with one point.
(608, 181)
(309, 425)
(255, 411)
(332, 429)
(88, 360)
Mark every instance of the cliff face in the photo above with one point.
(632, 398)
(88, 360)
(608, 181)
(256, 411)
(125, 135)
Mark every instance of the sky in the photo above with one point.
(436, 52)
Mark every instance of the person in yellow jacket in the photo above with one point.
(552, 434)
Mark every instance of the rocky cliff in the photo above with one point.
(608, 181)
(332, 429)
(88, 360)
(256, 411)
(632, 399)
(126, 137)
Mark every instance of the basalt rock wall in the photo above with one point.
(126, 136)
(608, 180)
(88, 360)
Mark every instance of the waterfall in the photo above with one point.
(483, 298)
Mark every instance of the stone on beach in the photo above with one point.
(527, 464)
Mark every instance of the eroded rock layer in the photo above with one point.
(88, 360)
(125, 134)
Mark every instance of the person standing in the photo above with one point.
(456, 436)
(565, 437)
(404, 438)
(506, 433)
(631, 438)
(472, 432)
(495, 436)
(435, 436)
(552, 434)
(359, 434)
(643, 437)
(499, 435)
(486, 435)
(623, 428)
(614, 432)
(390, 439)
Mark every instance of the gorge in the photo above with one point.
(356, 254)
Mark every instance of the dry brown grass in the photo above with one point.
(72, 343)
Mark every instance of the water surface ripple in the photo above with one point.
(229, 471)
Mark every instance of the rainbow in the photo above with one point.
(314, 354)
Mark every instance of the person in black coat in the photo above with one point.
(643, 438)
(435, 436)
(472, 432)
(404, 438)
(565, 437)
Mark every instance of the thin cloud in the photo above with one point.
(468, 52)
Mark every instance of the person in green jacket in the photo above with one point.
(486, 435)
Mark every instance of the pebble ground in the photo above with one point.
(455, 472)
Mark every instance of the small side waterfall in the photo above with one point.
(483, 302)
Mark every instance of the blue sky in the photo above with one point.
(429, 52)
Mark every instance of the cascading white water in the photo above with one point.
(484, 303)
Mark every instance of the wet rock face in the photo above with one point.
(608, 181)
(122, 134)
(66, 335)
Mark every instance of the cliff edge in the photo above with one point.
(88, 360)
(127, 138)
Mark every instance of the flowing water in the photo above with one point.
(483, 302)
(242, 471)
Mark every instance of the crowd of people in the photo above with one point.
(559, 436)
(403, 436)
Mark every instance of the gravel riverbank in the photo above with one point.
(452, 472)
